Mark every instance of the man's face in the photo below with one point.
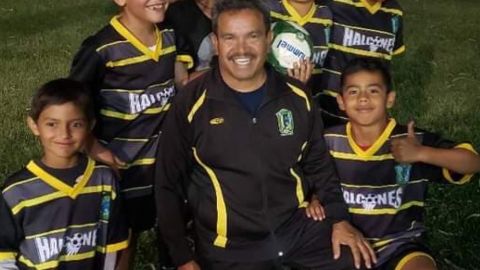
(242, 43)
(365, 99)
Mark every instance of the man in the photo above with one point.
(249, 144)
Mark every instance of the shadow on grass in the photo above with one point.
(31, 22)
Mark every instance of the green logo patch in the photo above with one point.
(285, 122)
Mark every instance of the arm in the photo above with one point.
(9, 237)
(173, 158)
(461, 159)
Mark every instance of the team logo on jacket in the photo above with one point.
(285, 122)
(395, 24)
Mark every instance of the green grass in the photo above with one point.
(437, 83)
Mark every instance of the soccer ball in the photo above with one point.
(291, 44)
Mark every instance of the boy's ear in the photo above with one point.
(120, 3)
(33, 126)
(391, 97)
(340, 102)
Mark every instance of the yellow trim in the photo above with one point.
(54, 264)
(127, 116)
(114, 247)
(405, 206)
(360, 52)
(399, 50)
(300, 156)
(128, 61)
(372, 8)
(139, 162)
(111, 44)
(316, 71)
(350, 156)
(128, 91)
(294, 14)
(19, 183)
(196, 106)
(56, 183)
(299, 188)
(7, 256)
(382, 186)
(303, 204)
(365, 29)
(124, 32)
(335, 135)
(130, 140)
(382, 243)
(221, 240)
(57, 195)
(467, 177)
(330, 93)
(410, 256)
(300, 93)
(379, 142)
(332, 71)
(187, 59)
(60, 230)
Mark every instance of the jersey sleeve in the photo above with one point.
(118, 234)
(399, 46)
(10, 236)
(444, 175)
(319, 171)
(87, 65)
(183, 51)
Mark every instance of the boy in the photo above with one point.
(61, 211)
(384, 168)
(131, 67)
(317, 21)
(361, 28)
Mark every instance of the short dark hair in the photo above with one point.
(61, 91)
(222, 6)
(370, 65)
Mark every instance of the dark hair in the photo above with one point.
(222, 6)
(370, 65)
(61, 91)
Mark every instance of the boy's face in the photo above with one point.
(62, 129)
(152, 11)
(364, 98)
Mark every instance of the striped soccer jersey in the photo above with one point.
(359, 30)
(132, 86)
(48, 223)
(386, 199)
(317, 22)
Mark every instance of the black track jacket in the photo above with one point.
(245, 176)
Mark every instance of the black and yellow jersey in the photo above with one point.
(317, 22)
(49, 222)
(386, 199)
(359, 30)
(132, 86)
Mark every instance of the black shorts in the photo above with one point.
(141, 213)
(404, 254)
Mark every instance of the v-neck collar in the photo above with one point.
(296, 17)
(376, 145)
(124, 32)
(371, 8)
(59, 185)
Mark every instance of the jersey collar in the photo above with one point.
(376, 145)
(59, 185)
(371, 8)
(124, 32)
(295, 16)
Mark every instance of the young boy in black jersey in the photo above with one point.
(62, 210)
(361, 28)
(132, 67)
(384, 168)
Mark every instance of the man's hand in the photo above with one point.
(345, 234)
(191, 265)
(408, 149)
(301, 71)
(315, 210)
(103, 154)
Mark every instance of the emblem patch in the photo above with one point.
(402, 173)
(285, 122)
(217, 121)
(105, 207)
(395, 24)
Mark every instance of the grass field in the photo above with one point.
(437, 82)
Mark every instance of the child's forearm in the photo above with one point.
(456, 159)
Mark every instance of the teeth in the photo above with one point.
(242, 61)
(157, 6)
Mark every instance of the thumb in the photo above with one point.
(411, 129)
